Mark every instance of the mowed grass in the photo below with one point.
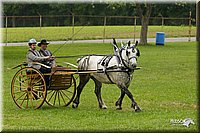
(165, 88)
(91, 32)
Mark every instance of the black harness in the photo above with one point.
(105, 61)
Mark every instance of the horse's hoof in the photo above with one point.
(119, 108)
(104, 107)
(138, 110)
(74, 105)
(117, 103)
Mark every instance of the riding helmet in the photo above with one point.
(32, 41)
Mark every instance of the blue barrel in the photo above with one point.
(160, 38)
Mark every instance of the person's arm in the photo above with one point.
(33, 57)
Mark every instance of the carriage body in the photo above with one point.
(30, 88)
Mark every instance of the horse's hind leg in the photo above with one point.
(84, 78)
(97, 91)
(118, 103)
(128, 93)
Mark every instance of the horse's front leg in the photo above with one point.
(129, 94)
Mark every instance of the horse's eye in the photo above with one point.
(127, 53)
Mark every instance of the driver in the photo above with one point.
(44, 52)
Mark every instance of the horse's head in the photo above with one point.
(129, 54)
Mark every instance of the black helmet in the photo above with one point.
(43, 42)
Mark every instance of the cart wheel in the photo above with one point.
(28, 88)
(62, 97)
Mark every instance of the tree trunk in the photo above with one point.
(13, 21)
(198, 21)
(144, 30)
(144, 12)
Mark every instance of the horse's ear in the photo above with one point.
(136, 43)
(138, 52)
(114, 41)
(115, 45)
(129, 43)
(122, 45)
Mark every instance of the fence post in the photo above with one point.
(135, 23)
(6, 30)
(162, 22)
(190, 26)
(73, 28)
(40, 27)
(104, 29)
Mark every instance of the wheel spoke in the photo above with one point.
(33, 80)
(65, 94)
(20, 96)
(27, 102)
(50, 92)
(36, 94)
(39, 88)
(37, 81)
(55, 98)
(58, 98)
(69, 91)
(62, 97)
(51, 96)
(31, 100)
(23, 100)
(30, 77)
(20, 86)
(19, 91)
(21, 82)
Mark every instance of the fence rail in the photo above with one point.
(130, 27)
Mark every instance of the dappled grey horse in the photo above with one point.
(112, 69)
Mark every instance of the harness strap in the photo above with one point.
(85, 63)
(109, 77)
(105, 61)
(122, 60)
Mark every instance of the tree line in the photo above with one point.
(144, 11)
(112, 9)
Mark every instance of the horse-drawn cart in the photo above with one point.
(30, 88)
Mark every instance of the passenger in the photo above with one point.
(34, 56)
(44, 52)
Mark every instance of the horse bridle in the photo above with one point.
(123, 60)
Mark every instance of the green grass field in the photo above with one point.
(21, 34)
(165, 88)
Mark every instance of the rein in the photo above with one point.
(72, 56)
(69, 39)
